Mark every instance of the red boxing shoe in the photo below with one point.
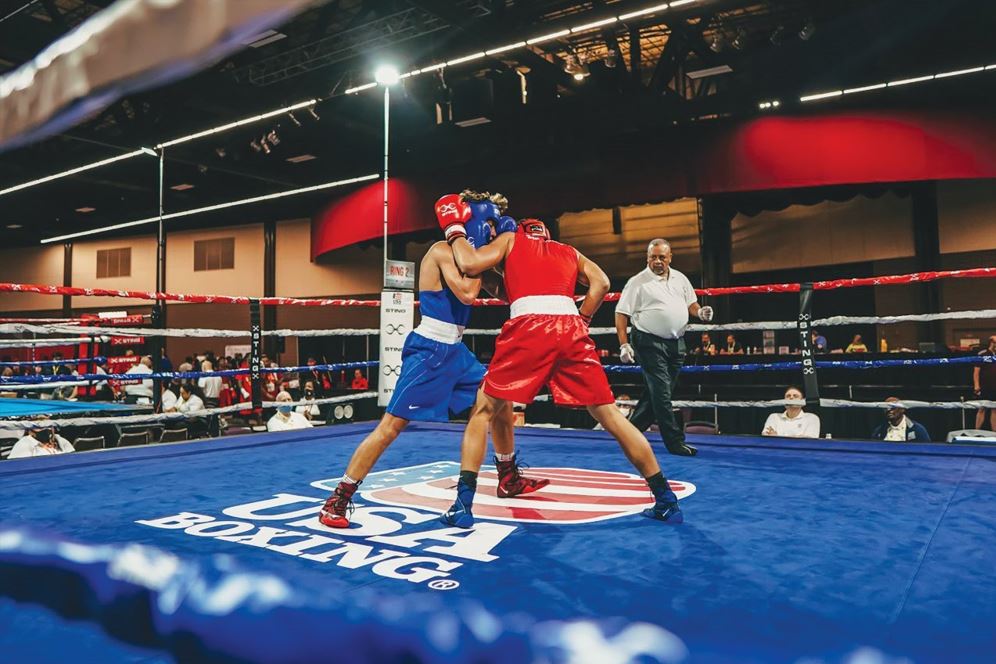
(339, 504)
(511, 482)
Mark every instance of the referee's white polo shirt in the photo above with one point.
(658, 305)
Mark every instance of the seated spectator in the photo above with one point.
(819, 342)
(310, 411)
(984, 385)
(856, 345)
(899, 428)
(40, 442)
(285, 418)
(793, 422)
(732, 347)
(67, 392)
(140, 392)
(359, 381)
(168, 399)
(210, 385)
(707, 347)
(189, 401)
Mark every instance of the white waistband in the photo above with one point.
(554, 305)
(441, 331)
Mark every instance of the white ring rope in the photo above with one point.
(824, 403)
(18, 425)
(20, 328)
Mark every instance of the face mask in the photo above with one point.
(44, 436)
(284, 409)
(309, 393)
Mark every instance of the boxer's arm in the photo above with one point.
(473, 262)
(465, 288)
(493, 283)
(598, 286)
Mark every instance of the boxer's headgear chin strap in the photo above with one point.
(535, 228)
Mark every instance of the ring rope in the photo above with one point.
(21, 328)
(916, 277)
(87, 377)
(973, 404)
(7, 425)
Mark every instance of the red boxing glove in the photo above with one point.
(452, 213)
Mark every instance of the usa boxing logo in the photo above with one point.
(574, 495)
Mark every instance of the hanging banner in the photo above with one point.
(397, 316)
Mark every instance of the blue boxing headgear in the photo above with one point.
(479, 231)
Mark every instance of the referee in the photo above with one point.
(658, 301)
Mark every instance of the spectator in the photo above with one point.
(819, 342)
(706, 346)
(189, 401)
(322, 380)
(359, 381)
(165, 364)
(856, 345)
(210, 385)
(899, 428)
(40, 442)
(169, 400)
(310, 410)
(984, 384)
(67, 392)
(142, 391)
(793, 422)
(286, 418)
(733, 347)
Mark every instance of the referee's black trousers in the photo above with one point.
(661, 360)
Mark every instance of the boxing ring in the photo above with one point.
(791, 551)
(12, 408)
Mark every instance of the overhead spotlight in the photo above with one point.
(739, 40)
(311, 111)
(273, 138)
(576, 68)
(254, 144)
(807, 30)
(202, 169)
(294, 120)
(387, 75)
(265, 145)
(778, 36)
(716, 43)
(220, 152)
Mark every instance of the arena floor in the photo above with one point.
(789, 551)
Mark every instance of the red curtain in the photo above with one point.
(710, 158)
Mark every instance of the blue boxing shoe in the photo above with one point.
(668, 512)
(666, 506)
(460, 514)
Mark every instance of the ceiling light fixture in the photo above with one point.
(644, 12)
(78, 169)
(360, 88)
(502, 49)
(466, 58)
(865, 88)
(237, 123)
(549, 37)
(893, 84)
(182, 187)
(301, 157)
(85, 210)
(387, 75)
(14, 227)
(709, 71)
(593, 25)
(211, 208)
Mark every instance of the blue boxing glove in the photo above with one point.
(506, 224)
(479, 229)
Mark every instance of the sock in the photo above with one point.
(349, 483)
(504, 457)
(660, 488)
(467, 487)
(469, 478)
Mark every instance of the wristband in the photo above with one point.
(585, 317)
(453, 232)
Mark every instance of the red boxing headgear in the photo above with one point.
(535, 228)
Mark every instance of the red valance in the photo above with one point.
(709, 158)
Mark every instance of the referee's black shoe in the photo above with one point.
(681, 449)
